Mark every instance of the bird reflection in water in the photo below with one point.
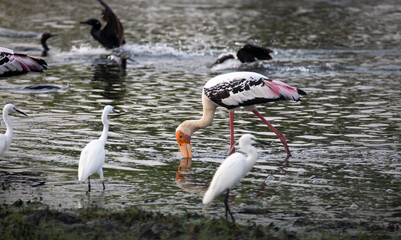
(113, 76)
(186, 182)
(183, 177)
(91, 201)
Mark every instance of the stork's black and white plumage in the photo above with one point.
(248, 53)
(112, 35)
(234, 90)
(16, 63)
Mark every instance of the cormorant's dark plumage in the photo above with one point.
(251, 53)
(43, 40)
(112, 35)
(248, 53)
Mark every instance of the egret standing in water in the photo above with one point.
(93, 155)
(231, 170)
(5, 139)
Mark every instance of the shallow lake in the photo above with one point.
(344, 135)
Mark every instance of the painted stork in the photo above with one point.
(112, 35)
(248, 53)
(17, 63)
(93, 155)
(231, 170)
(234, 90)
(5, 139)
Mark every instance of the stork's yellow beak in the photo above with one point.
(185, 147)
(185, 144)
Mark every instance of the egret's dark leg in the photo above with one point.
(232, 142)
(89, 184)
(226, 204)
(104, 187)
(281, 136)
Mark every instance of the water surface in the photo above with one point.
(344, 135)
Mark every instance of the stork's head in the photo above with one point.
(184, 141)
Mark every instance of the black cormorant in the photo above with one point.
(248, 53)
(112, 35)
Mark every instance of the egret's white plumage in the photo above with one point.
(5, 139)
(226, 177)
(93, 155)
(231, 170)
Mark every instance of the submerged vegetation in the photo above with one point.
(37, 221)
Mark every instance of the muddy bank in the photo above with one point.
(37, 221)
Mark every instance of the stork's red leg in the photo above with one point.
(281, 136)
(232, 142)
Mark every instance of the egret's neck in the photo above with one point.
(9, 125)
(190, 126)
(105, 132)
(252, 156)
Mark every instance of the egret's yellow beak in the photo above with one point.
(185, 147)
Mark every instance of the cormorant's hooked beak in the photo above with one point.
(84, 22)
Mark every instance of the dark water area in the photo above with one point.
(344, 135)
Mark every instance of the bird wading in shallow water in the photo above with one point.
(112, 35)
(43, 40)
(12, 64)
(231, 170)
(234, 90)
(93, 155)
(248, 53)
(5, 139)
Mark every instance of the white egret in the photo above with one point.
(93, 155)
(231, 170)
(5, 139)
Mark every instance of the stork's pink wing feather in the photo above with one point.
(15, 64)
(283, 89)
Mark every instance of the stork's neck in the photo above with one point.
(103, 137)
(190, 126)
